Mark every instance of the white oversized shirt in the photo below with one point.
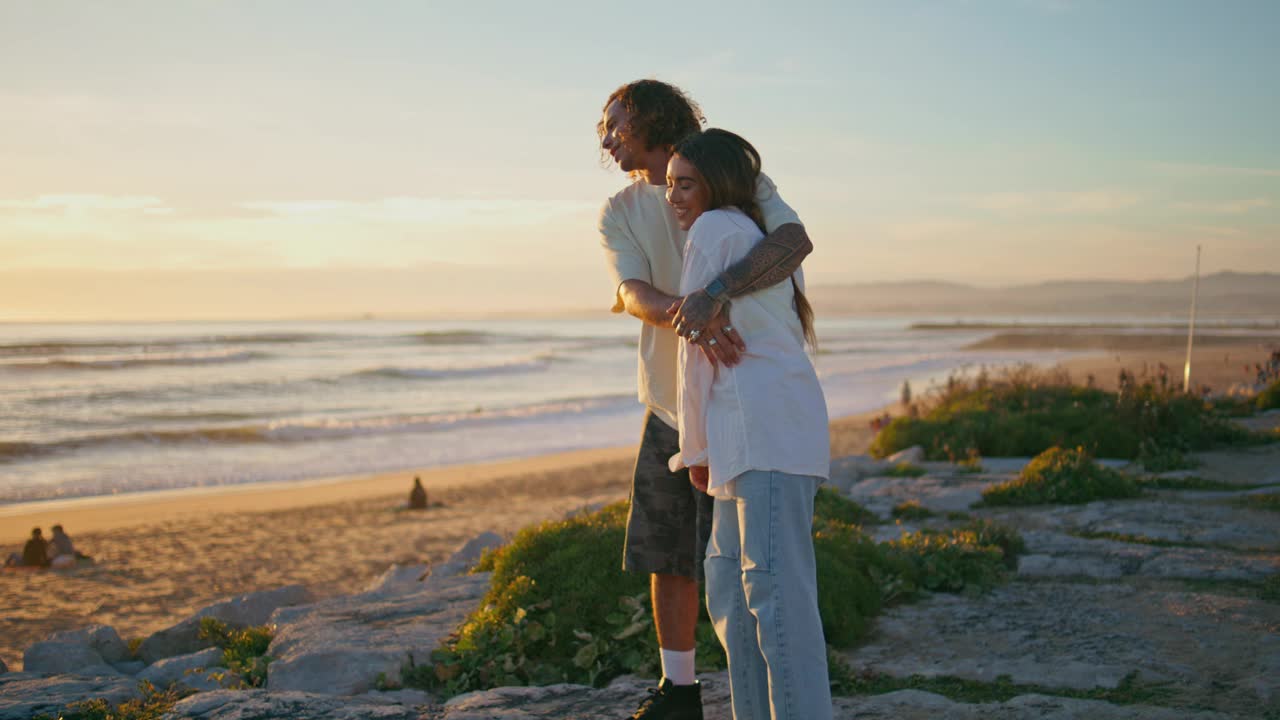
(767, 412)
(643, 241)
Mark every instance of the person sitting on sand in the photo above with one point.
(61, 551)
(34, 554)
(418, 495)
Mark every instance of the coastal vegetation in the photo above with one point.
(560, 608)
(153, 705)
(244, 652)
(1059, 475)
(1023, 412)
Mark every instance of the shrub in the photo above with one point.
(911, 510)
(1025, 412)
(244, 652)
(1269, 398)
(153, 705)
(905, 469)
(560, 608)
(1062, 476)
(830, 506)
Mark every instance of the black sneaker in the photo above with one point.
(671, 702)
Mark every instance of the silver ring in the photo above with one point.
(728, 328)
(712, 341)
(694, 335)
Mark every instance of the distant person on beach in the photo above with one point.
(34, 554)
(670, 520)
(754, 436)
(418, 495)
(62, 552)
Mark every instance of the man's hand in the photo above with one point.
(720, 342)
(700, 476)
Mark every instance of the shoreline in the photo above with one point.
(163, 555)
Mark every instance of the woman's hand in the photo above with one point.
(719, 341)
(699, 476)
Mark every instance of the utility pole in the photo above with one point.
(1191, 329)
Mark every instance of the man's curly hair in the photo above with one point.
(661, 114)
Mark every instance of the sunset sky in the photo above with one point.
(259, 159)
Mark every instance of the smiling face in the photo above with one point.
(687, 191)
(626, 148)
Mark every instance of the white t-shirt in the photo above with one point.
(767, 412)
(642, 241)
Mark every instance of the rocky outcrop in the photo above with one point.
(191, 671)
(264, 705)
(243, 611)
(26, 695)
(342, 646)
(77, 651)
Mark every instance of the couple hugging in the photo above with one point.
(735, 439)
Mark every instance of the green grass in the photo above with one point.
(1062, 476)
(1024, 412)
(905, 469)
(1269, 398)
(1270, 589)
(911, 510)
(560, 609)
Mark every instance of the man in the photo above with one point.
(670, 520)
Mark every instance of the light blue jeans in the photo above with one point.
(762, 595)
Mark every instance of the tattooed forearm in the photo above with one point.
(770, 262)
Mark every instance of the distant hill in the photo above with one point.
(1224, 294)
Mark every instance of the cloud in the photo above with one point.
(1226, 207)
(1193, 170)
(1065, 203)
(85, 203)
(419, 210)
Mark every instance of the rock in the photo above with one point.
(1054, 554)
(399, 579)
(102, 638)
(256, 704)
(182, 670)
(130, 667)
(75, 650)
(466, 557)
(913, 455)
(3, 668)
(59, 658)
(1055, 634)
(846, 471)
(937, 493)
(26, 695)
(243, 611)
(340, 646)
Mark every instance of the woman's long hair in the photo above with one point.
(730, 167)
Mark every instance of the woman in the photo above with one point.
(755, 437)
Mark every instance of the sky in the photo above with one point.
(258, 159)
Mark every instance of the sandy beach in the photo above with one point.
(161, 556)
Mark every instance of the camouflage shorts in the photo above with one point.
(670, 520)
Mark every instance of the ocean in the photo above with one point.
(103, 409)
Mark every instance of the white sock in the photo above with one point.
(677, 666)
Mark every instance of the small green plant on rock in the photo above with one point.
(911, 510)
(905, 469)
(244, 652)
(153, 705)
(1063, 476)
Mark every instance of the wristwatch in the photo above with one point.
(717, 290)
